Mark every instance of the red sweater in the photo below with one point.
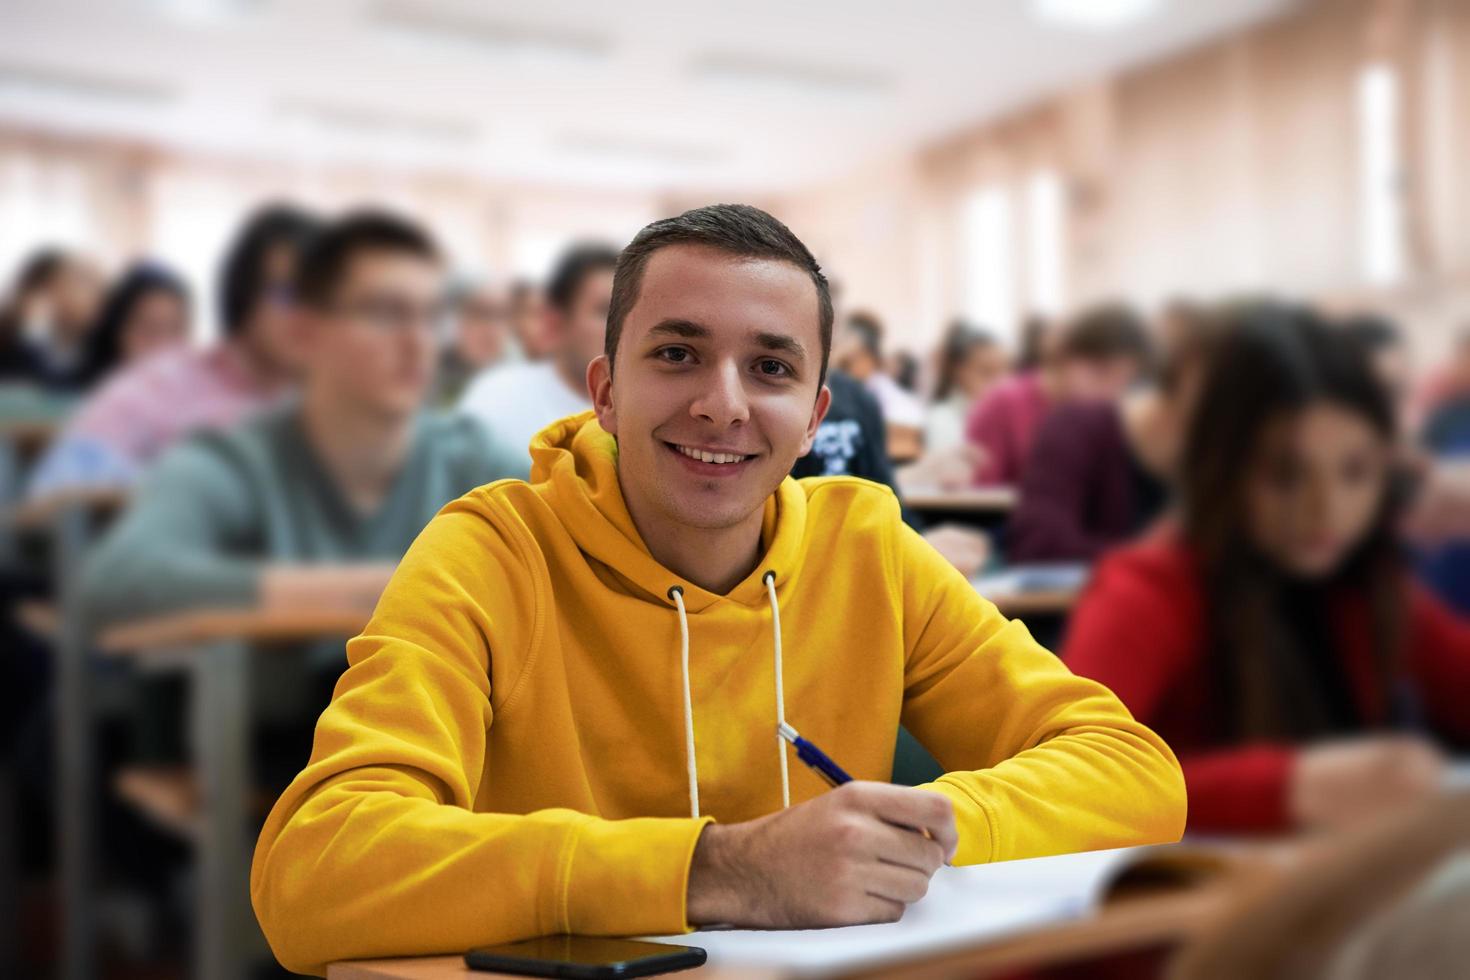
(1139, 629)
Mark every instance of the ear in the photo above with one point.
(819, 412)
(600, 388)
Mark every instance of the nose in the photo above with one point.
(721, 399)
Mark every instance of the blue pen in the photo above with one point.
(814, 757)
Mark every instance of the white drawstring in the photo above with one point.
(770, 579)
(677, 594)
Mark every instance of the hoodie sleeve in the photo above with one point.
(376, 848)
(1038, 760)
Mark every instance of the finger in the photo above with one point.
(896, 884)
(907, 848)
(922, 810)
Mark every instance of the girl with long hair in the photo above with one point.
(1272, 634)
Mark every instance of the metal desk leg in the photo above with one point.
(75, 800)
(221, 699)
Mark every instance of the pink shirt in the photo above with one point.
(1003, 424)
(144, 409)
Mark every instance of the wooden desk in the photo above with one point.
(220, 644)
(1156, 918)
(978, 500)
(42, 514)
(164, 634)
(1053, 602)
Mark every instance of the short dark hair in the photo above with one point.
(242, 274)
(738, 229)
(572, 269)
(327, 257)
(1107, 331)
(869, 330)
(1372, 332)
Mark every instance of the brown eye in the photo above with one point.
(773, 368)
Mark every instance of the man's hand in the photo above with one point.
(953, 469)
(855, 855)
(1346, 782)
(963, 547)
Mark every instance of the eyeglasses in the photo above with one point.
(393, 315)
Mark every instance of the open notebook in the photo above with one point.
(964, 906)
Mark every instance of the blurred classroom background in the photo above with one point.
(1045, 222)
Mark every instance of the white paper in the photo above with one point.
(963, 906)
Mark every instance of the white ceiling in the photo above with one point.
(751, 95)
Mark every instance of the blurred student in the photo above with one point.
(145, 312)
(528, 319)
(480, 321)
(971, 361)
(1038, 342)
(903, 368)
(44, 325)
(516, 749)
(850, 441)
(516, 401)
(147, 406)
(349, 472)
(1274, 636)
(857, 351)
(1445, 388)
(1387, 353)
(1098, 356)
(308, 504)
(1100, 468)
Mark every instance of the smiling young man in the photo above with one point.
(563, 714)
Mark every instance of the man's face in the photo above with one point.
(579, 330)
(715, 391)
(482, 321)
(1097, 379)
(373, 344)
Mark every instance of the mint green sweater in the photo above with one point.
(220, 506)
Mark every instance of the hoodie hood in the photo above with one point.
(574, 466)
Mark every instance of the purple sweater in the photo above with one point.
(1080, 491)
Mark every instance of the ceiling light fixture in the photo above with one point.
(447, 28)
(86, 86)
(1093, 15)
(802, 77)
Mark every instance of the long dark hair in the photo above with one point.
(959, 340)
(1270, 361)
(105, 340)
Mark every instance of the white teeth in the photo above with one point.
(710, 457)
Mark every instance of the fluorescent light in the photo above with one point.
(802, 78)
(636, 148)
(365, 121)
(1093, 15)
(446, 29)
(84, 86)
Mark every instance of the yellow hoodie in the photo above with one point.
(505, 755)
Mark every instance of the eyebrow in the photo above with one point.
(690, 330)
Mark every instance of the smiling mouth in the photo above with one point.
(705, 456)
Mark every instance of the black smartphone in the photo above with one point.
(589, 957)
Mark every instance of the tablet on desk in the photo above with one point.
(584, 957)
